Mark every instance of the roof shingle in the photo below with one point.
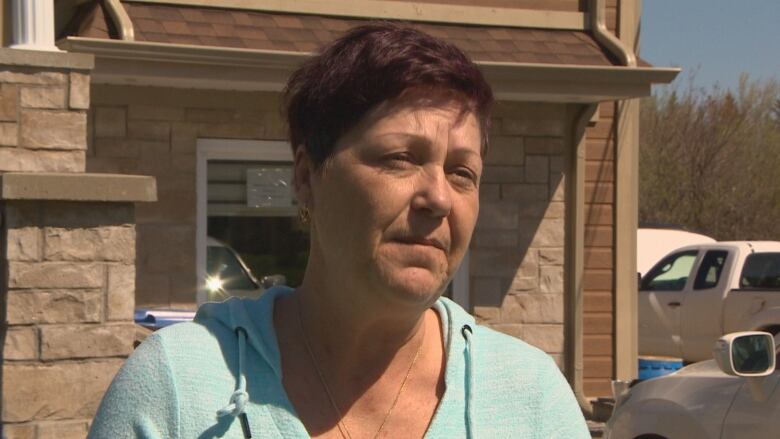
(305, 33)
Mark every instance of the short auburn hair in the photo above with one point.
(331, 92)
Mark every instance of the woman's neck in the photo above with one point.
(347, 328)
(339, 355)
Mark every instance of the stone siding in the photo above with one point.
(43, 119)
(67, 331)
(67, 251)
(153, 131)
(517, 252)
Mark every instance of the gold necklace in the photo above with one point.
(341, 425)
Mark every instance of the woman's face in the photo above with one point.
(394, 207)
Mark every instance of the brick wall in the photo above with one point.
(152, 131)
(517, 251)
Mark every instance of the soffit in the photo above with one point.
(244, 29)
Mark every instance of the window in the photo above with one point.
(761, 271)
(671, 273)
(710, 269)
(222, 264)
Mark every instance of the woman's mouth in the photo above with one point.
(427, 241)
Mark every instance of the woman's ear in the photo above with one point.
(303, 170)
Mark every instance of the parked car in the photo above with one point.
(700, 292)
(653, 243)
(734, 395)
(227, 274)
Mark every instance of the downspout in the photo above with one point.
(120, 18)
(576, 218)
(575, 255)
(598, 25)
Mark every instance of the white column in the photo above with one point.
(33, 25)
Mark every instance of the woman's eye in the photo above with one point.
(400, 160)
(464, 176)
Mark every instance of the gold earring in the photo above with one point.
(303, 215)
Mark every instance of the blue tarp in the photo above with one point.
(155, 319)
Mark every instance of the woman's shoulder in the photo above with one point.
(501, 349)
(185, 335)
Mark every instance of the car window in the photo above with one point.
(710, 269)
(222, 265)
(671, 273)
(761, 271)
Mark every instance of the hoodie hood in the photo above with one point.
(255, 316)
(252, 322)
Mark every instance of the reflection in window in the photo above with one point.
(710, 269)
(222, 264)
(269, 246)
(671, 273)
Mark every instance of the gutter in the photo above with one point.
(187, 53)
(178, 65)
(582, 73)
(182, 53)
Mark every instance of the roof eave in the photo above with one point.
(190, 66)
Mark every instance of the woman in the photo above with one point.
(388, 127)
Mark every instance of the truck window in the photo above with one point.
(761, 271)
(710, 269)
(671, 273)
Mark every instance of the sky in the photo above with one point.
(716, 39)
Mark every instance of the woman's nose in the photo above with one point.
(433, 194)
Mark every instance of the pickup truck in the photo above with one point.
(699, 292)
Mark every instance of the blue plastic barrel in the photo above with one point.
(653, 367)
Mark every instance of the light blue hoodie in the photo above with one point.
(207, 378)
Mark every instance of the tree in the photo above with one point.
(710, 159)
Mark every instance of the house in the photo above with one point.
(163, 128)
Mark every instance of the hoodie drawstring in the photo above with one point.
(240, 397)
(466, 331)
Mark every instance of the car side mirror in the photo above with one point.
(746, 354)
